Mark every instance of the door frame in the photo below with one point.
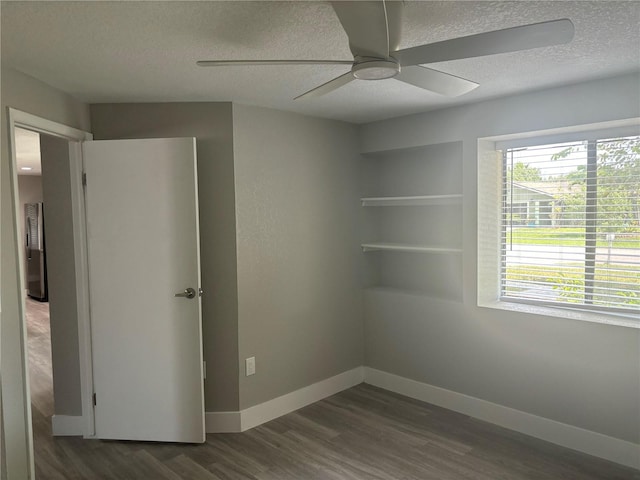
(75, 138)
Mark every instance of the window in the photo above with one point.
(570, 224)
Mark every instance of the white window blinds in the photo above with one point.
(571, 224)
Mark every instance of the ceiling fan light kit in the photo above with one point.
(374, 31)
(375, 69)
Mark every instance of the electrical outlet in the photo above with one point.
(250, 365)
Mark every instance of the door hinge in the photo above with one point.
(94, 400)
(84, 179)
(204, 370)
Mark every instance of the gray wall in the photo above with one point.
(27, 94)
(29, 191)
(299, 291)
(211, 124)
(580, 373)
(287, 184)
(284, 285)
(65, 360)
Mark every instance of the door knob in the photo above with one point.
(188, 293)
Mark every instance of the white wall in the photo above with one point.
(299, 289)
(27, 94)
(579, 373)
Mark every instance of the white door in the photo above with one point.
(143, 249)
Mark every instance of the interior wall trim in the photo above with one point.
(233, 422)
(586, 441)
(67, 425)
(259, 414)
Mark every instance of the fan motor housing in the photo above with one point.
(375, 69)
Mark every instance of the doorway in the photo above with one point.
(37, 318)
(17, 398)
(43, 193)
(165, 159)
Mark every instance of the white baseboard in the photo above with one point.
(67, 425)
(586, 441)
(229, 422)
(259, 414)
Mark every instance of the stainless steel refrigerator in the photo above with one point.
(35, 252)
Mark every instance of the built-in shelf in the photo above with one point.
(399, 247)
(411, 220)
(416, 200)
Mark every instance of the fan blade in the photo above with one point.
(373, 28)
(513, 39)
(329, 86)
(435, 81)
(394, 24)
(226, 63)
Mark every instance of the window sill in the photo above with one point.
(616, 319)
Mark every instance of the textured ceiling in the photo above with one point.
(28, 152)
(146, 51)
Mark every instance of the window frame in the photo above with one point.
(489, 221)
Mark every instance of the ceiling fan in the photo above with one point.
(374, 30)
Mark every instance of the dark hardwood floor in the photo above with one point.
(364, 433)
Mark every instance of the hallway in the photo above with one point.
(40, 376)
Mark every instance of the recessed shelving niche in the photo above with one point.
(412, 219)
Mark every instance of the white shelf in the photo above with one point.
(418, 200)
(399, 247)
